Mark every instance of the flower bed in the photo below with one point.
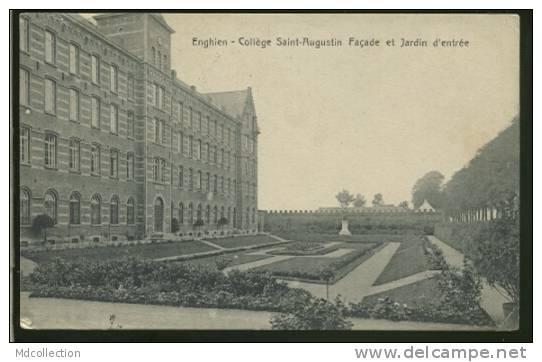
(304, 248)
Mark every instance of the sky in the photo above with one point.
(369, 120)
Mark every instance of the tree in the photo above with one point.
(378, 200)
(198, 223)
(317, 314)
(345, 198)
(174, 225)
(404, 204)
(41, 223)
(222, 221)
(428, 187)
(359, 201)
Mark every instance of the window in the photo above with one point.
(95, 159)
(221, 159)
(158, 130)
(180, 115)
(198, 149)
(130, 166)
(114, 164)
(222, 184)
(25, 145)
(228, 190)
(206, 125)
(191, 115)
(208, 182)
(75, 209)
(24, 199)
(50, 47)
(74, 105)
(208, 214)
(198, 181)
(75, 150)
(50, 205)
(50, 96)
(199, 121)
(130, 125)
(215, 214)
(50, 150)
(215, 184)
(159, 96)
(190, 179)
(95, 210)
(153, 55)
(114, 210)
(95, 69)
(165, 62)
(95, 112)
(181, 213)
(181, 177)
(24, 34)
(180, 142)
(24, 87)
(208, 152)
(74, 59)
(114, 119)
(131, 86)
(113, 79)
(130, 211)
(159, 168)
(190, 213)
(190, 146)
(215, 154)
(159, 60)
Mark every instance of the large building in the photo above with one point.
(114, 147)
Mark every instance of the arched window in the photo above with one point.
(234, 217)
(75, 209)
(130, 211)
(114, 210)
(158, 215)
(50, 205)
(153, 55)
(229, 214)
(96, 210)
(222, 212)
(24, 199)
(215, 214)
(190, 213)
(181, 213)
(208, 214)
(199, 214)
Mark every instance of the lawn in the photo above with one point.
(317, 237)
(413, 295)
(242, 241)
(236, 259)
(146, 251)
(310, 268)
(409, 259)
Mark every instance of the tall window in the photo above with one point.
(130, 211)
(198, 180)
(75, 209)
(50, 96)
(50, 205)
(190, 179)
(215, 214)
(199, 121)
(190, 213)
(24, 87)
(181, 177)
(180, 215)
(159, 96)
(95, 210)
(180, 115)
(208, 214)
(95, 159)
(159, 168)
(158, 130)
(191, 115)
(50, 47)
(153, 55)
(198, 149)
(74, 59)
(74, 105)
(50, 150)
(75, 150)
(95, 69)
(95, 112)
(130, 166)
(24, 198)
(180, 142)
(114, 164)
(208, 182)
(131, 86)
(114, 119)
(206, 125)
(130, 125)
(114, 210)
(25, 145)
(24, 34)
(190, 146)
(165, 62)
(113, 79)
(159, 60)
(215, 184)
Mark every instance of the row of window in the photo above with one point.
(159, 60)
(50, 208)
(50, 54)
(191, 214)
(74, 163)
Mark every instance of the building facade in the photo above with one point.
(114, 147)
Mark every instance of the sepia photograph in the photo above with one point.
(222, 171)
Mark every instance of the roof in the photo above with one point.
(156, 16)
(425, 206)
(233, 102)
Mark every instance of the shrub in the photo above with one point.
(174, 225)
(41, 223)
(317, 314)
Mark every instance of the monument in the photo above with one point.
(344, 228)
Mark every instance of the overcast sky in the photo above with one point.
(365, 119)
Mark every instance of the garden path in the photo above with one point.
(491, 300)
(53, 313)
(403, 281)
(212, 245)
(258, 263)
(356, 284)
